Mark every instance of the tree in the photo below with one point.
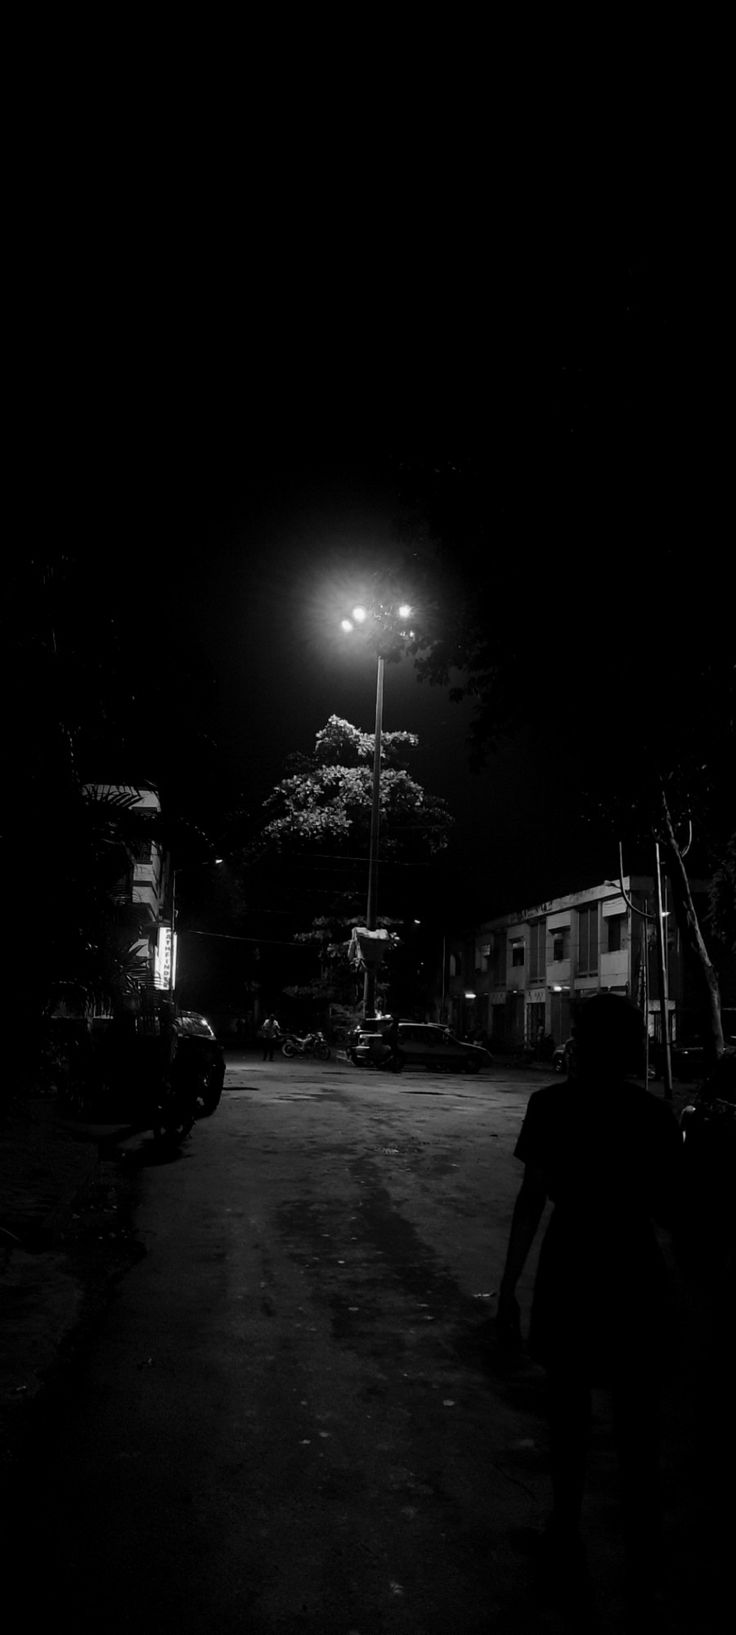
(318, 830)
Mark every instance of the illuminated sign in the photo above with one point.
(164, 968)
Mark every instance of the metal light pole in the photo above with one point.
(369, 984)
(390, 622)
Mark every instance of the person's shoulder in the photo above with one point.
(551, 1095)
(548, 1100)
(547, 1114)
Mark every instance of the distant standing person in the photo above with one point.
(391, 1038)
(271, 1034)
(607, 1154)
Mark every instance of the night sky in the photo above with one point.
(240, 463)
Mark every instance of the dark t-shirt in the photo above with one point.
(610, 1158)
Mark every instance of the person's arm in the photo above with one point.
(528, 1211)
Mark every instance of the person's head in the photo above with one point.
(609, 1037)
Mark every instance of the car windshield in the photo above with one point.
(189, 1023)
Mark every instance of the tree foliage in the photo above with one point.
(317, 829)
(327, 796)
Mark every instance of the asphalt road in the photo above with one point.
(291, 1419)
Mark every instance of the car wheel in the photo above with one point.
(174, 1117)
(208, 1093)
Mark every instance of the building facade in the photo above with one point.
(517, 977)
(142, 885)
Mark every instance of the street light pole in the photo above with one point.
(369, 985)
(390, 622)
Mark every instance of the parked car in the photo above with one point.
(562, 1057)
(120, 1068)
(200, 1054)
(422, 1044)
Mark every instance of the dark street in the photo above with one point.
(292, 1418)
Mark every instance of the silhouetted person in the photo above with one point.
(391, 1038)
(608, 1155)
(271, 1034)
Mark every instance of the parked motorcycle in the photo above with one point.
(311, 1044)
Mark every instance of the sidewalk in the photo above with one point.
(60, 1242)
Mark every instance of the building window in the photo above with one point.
(561, 942)
(517, 953)
(615, 924)
(453, 965)
(537, 950)
(587, 964)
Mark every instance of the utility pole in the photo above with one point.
(662, 970)
(645, 990)
(662, 967)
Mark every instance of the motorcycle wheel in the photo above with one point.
(287, 1048)
(322, 1052)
